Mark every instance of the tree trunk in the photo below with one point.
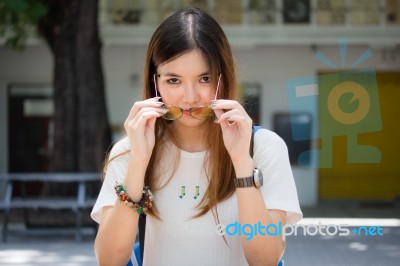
(82, 133)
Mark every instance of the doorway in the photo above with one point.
(30, 127)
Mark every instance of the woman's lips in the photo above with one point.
(186, 112)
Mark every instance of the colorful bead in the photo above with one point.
(145, 203)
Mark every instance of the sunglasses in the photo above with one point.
(198, 112)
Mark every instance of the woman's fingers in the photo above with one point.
(234, 116)
(144, 117)
(152, 102)
(235, 125)
(236, 113)
(146, 114)
(227, 105)
(139, 126)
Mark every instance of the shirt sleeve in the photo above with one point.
(115, 173)
(279, 189)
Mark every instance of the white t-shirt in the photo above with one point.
(180, 240)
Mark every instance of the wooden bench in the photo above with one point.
(76, 203)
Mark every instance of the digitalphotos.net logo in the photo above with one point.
(279, 230)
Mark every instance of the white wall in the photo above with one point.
(269, 65)
(3, 132)
(123, 67)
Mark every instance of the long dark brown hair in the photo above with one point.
(181, 33)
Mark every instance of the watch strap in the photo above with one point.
(244, 182)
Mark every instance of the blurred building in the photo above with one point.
(281, 47)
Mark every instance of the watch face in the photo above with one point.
(258, 178)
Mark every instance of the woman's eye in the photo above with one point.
(205, 79)
(173, 81)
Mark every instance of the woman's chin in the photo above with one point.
(189, 121)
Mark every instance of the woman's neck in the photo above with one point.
(190, 139)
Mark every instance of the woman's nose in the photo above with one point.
(190, 94)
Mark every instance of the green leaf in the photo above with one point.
(37, 10)
(16, 17)
(17, 6)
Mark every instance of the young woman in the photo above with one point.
(188, 142)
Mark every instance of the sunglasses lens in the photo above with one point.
(202, 113)
(173, 112)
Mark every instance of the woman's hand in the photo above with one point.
(140, 124)
(236, 127)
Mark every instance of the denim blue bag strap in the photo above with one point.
(138, 248)
(142, 230)
(254, 130)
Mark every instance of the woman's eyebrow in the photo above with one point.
(204, 74)
(170, 74)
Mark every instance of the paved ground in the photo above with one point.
(352, 249)
(345, 250)
(46, 252)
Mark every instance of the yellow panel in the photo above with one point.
(369, 180)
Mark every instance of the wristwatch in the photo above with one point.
(256, 180)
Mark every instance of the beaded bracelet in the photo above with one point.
(145, 203)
